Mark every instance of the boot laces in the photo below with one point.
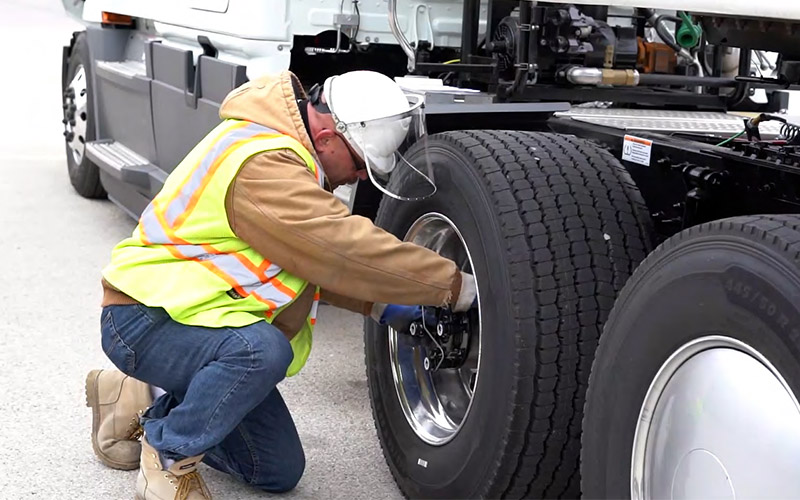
(136, 433)
(137, 430)
(191, 482)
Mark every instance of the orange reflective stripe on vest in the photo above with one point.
(160, 221)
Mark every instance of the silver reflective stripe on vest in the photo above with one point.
(181, 201)
(258, 284)
(250, 282)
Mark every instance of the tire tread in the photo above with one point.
(559, 200)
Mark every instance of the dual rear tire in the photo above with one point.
(694, 384)
(552, 227)
(692, 388)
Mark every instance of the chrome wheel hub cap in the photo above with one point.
(75, 114)
(435, 402)
(718, 421)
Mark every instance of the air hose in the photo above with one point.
(688, 34)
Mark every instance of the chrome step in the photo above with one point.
(126, 165)
(712, 123)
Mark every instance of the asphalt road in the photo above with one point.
(53, 246)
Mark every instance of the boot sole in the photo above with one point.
(93, 402)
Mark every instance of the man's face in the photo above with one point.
(341, 164)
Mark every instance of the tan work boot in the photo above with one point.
(180, 481)
(117, 401)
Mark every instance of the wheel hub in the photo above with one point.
(435, 366)
(718, 422)
(75, 114)
(447, 339)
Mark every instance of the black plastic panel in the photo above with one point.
(178, 127)
(172, 66)
(123, 111)
(126, 197)
(181, 116)
(106, 44)
(218, 78)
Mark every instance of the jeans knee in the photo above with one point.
(269, 351)
(287, 478)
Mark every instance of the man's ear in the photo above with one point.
(323, 138)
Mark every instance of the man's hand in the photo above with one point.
(401, 317)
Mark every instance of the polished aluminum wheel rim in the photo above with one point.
(75, 99)
(435, 403)
(718, 421)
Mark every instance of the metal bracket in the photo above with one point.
(345, 20)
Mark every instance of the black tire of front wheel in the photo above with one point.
(555, 226)
(737, 278)
(84, 176)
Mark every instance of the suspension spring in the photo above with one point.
(790, 132)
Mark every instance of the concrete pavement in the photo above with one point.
(54, 244)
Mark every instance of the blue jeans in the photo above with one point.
(220, 398)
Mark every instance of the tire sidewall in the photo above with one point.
(720, 285)
(460, 197)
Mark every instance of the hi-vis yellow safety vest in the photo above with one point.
(183, 239)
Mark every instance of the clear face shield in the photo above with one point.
(385, 144)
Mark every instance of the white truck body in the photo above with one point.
(261, 34)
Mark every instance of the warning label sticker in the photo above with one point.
(637, 150)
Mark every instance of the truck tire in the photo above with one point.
(693, 389)
(551, 226)
(79, 121)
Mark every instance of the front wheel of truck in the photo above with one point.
(79, 120)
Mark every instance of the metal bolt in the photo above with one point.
(280, 48)
(377, 39)
(543, 42)
(412, 329)
(426, 363)
(440, 329)
(366, 39)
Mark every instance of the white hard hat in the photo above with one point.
(380, 122)
(363, 96)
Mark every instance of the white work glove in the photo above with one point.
(468, 297)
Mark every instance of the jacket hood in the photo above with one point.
(271, 101)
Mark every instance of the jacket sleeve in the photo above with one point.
(345, 302)
(277, 207)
